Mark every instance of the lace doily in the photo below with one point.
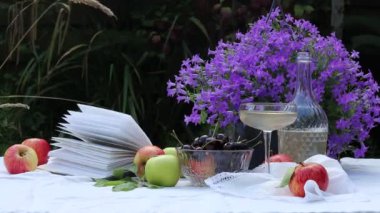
(259, 185)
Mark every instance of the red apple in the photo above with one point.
(308, 171)
(41, 147)
(143, 155)
(280, 158)
(20, 158)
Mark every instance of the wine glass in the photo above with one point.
(268, 117)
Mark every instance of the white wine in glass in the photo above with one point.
(267, 117)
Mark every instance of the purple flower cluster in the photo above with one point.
(260, 66)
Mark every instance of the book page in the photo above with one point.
(95, 141)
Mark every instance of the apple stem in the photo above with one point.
(250, 140)
(258, 143)
(301, 163)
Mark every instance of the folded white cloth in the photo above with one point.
(260, 185)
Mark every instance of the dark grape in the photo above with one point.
(212, 144)
(235, 146)
(209, 146)
(198, 148)
(226, 139)
(187, 147)
(227, 146)
(196, 140)
(219, 142)
(197, 144)
(210, 139)
(220, 136)
(219, 145)
(203, 139)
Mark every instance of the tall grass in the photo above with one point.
(38, 61)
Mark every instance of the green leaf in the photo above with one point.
(118, 173)
(201, 27)
(276, 25)
(298, 10)
(103, 183)
(152, 186)
(286, 179)
(128, 186)
(124, 172)
(308, 9)
(100, 182)
(132, 168)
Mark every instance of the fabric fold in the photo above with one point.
(260, 185)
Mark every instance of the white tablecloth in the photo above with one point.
(40, 191)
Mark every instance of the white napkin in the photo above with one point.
(260, 185)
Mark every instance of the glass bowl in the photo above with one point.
(198, 165)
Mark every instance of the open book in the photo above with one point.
(96, 142)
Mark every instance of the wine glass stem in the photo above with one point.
(267, 142)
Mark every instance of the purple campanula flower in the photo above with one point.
(260, 66)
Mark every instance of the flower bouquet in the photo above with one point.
(260, 66)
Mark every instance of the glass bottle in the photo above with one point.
(307, 136)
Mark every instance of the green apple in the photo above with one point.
(162, 170)
(170, 151)
(143, 155)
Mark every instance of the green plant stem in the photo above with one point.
(14, 105)
(45, 97)
(28, 31)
